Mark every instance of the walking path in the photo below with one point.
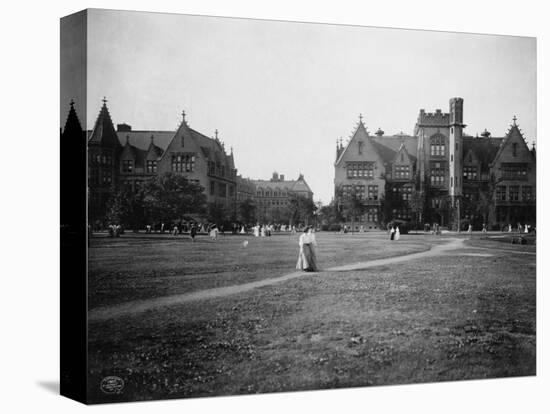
(139, 306)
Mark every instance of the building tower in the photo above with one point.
(455, 154)
(455, 146)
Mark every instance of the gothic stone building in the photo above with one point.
(273, 196)
(125, 158)
(440, 170)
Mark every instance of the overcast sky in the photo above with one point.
(281, 93)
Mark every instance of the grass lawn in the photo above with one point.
(443, 318)
(142, 266)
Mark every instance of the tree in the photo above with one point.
(119, 207)
(486, 203)
(416, 203)
(328, 215)
(168, 197)
(247, 211)
(300, 209)
(351, 204)
(391, 200)
(217, 213)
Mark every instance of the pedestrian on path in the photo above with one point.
(307, 259)
(392, 233)
(397, 233)
(193, 232)
(214, 232)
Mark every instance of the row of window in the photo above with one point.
(512, 193)
(371, 191)
(269, 193)
(151, 166)
(371, 215)
(437, 174)
(183, 163)
(96, 179)
(437, 146)
(360, 169)
(403, 214)
(405, 192)
(402, 172)
(469, 173)
(274, 202)
(514, 171)
(102, 159)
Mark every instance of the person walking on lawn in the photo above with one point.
(307, 259)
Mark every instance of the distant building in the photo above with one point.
(126, 158)
(438, 174)
(273, 196)
(246, 189)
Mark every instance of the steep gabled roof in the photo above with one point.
(72, 125)
(393, 142)
(360, 132)
(484, 149)
(402, 150)
(142, 138)
(514, 133)
(104, 132)
(137, 154)
(300, 185)
(388, 146)
(153, 152)
(212, 149)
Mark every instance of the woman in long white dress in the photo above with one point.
(397, 233)
(307, 259)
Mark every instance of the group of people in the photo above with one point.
(520, 228)
(115, 230)
(395, 234)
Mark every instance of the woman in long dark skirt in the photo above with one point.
(307, 259)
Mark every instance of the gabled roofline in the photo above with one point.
(359, 125)
(505, 142)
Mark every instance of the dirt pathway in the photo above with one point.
(139, 306)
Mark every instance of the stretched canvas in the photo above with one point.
(254, 206)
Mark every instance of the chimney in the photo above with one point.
(123, 127)
(282, 177)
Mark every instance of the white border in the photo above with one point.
(30, 194)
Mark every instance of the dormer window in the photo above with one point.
(402, 172)
(151, 166)
(127, 166)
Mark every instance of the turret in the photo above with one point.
(455, 146)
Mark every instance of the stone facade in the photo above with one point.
(446, 172)
(189, 153)
(273, 196)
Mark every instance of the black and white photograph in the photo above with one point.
(281, 209)
(278, 206)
